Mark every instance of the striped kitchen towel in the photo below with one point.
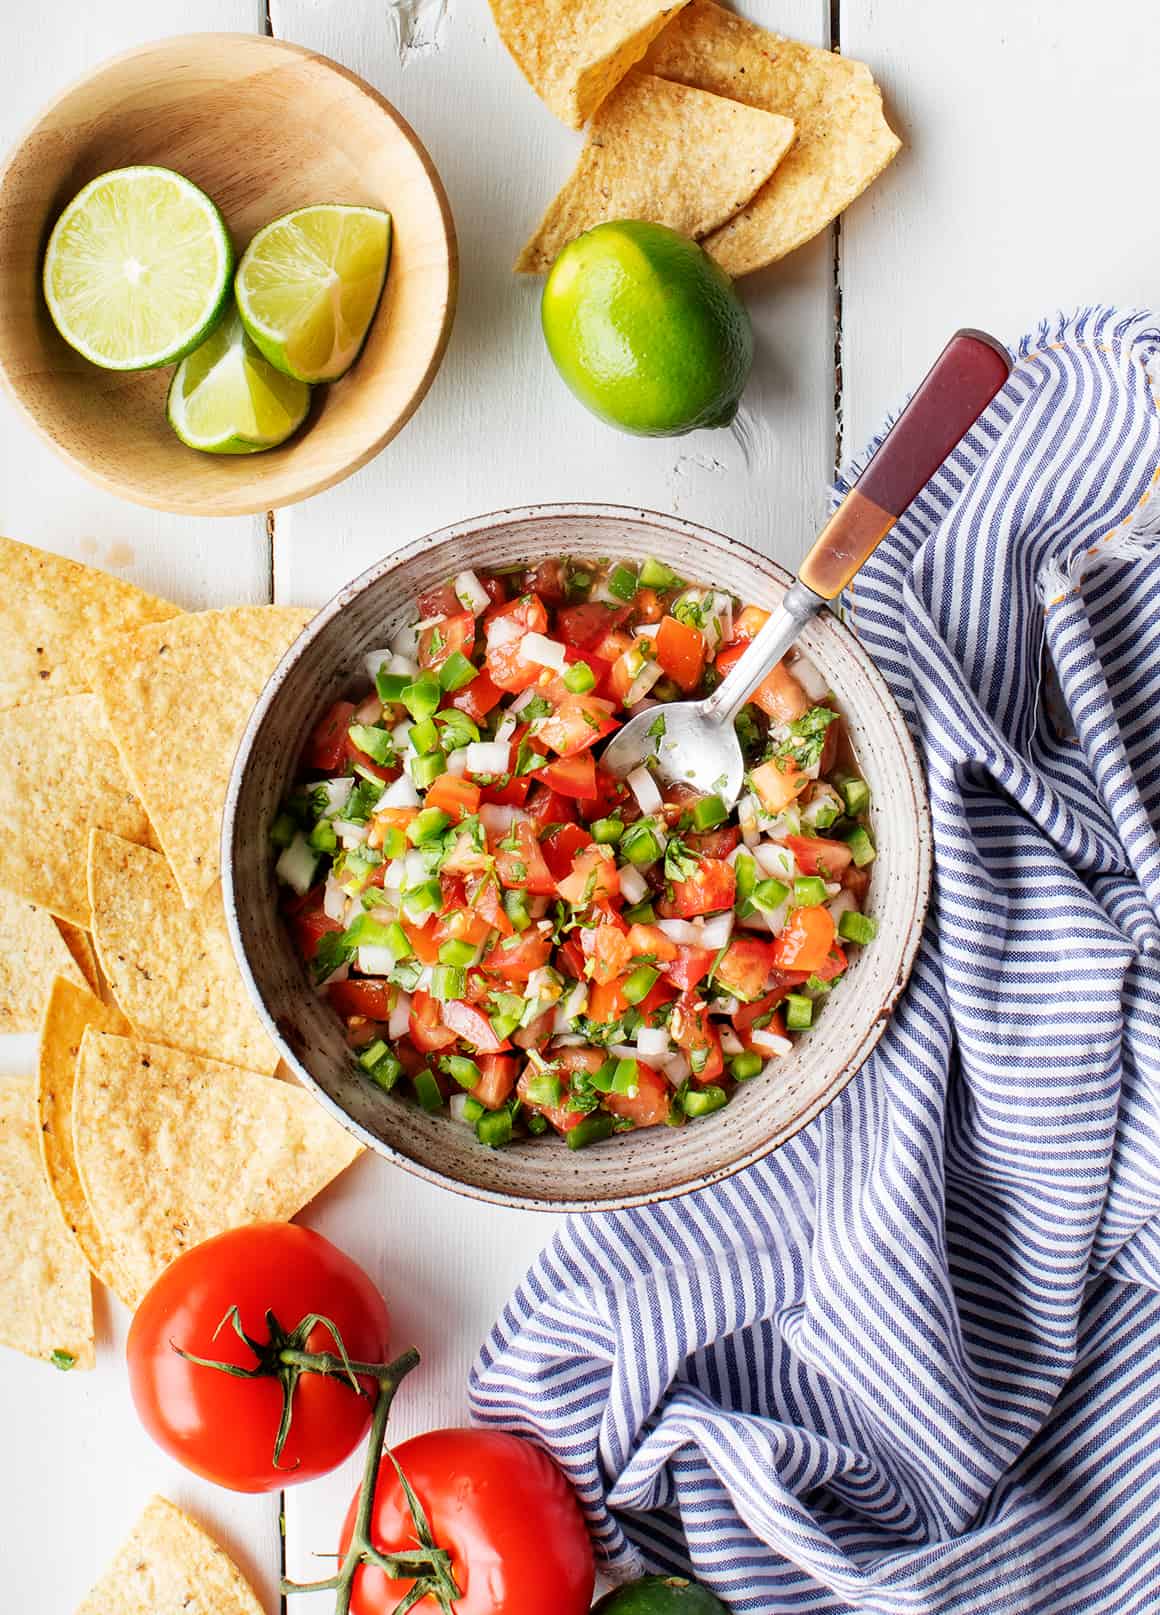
(911, 1362)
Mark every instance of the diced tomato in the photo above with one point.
(612, 795)
(729, 656)
(473, 1026)
(650, 939)
(606, 1002)
(355, 996)
(561, 1118)
(455, 795)
(309, 922)
(523, 865)
(513, 794)
(857, 882)
(425, 940)
(442, 639)
(690, 966)
(578, 722)
(778, 783)
(612, 646)
(571, 776)
(439, 601)
(806, 941)
(465, 858)
(646, 607)
(714, 843)
(428, 1031)
(817, 855)
(711, 886)
(832, 965)
(662, 992)
(781, 696)
(326, 747)
(549, 580)
(546, 806)
(483, 895)
(650, 1104)
(560, 848)
(497, 1078)
(517, 956)
(570, 958)
(582, 626)
(607, 950)
(594, 876)
(623, 674)
(409, 1056)
(759, 1010)
(506, 628)
(494, 588)
(692, 1030)
(749, 622)
(745, 967)
(537, 1032)
(457, 920)
(681, 652)
(478, 698)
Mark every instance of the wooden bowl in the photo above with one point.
(629, 1168)
(262, 127)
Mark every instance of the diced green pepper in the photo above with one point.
(861, 846)
(427, 1090)
(381, 1064)
(768, 895)
(709, 812)
(605, 832)
(743, 1067)
(394, 841)
(536, 1123)
(626, 1078)
(283, 830)
(515, 906)
(641, 844)
(640, 983)
(323, 837)
(655, 574)
(590, 1131)
(809, 891)
(460, 1069)
(745, 872)
(421, 698)
(457, 672)
(378, 744)
(622, 582)
(398, 941)
(427, 824)
(456, 952)
(799, 1012)
(473, 1110)
(854, 792)
(542, 1089)
(448, 982)
(423, 899)
(579, 678)
(494, 1128)
(424, 737)
(704, 1101)
(390, 686)
(855, 927)
(424, 770)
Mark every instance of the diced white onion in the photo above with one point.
(677, 1069)
(471, 594)
(416, 867)
(497, 818)
(843, 903)
(717, 931)
(774, 860)
(723, 610)
(400, 1019)
(726, 1004)
(681, 931)
(349, 833)
(647, 630)
(396, 875)
(457, 1104)
(430, 622)
(457, 760)
(369, 710)
(769, 1042)
(400, 793)
(747, 818)
(337, 792)
(623, 1051)
(404, 666)
(652, 1043)
(405, 640)
(730, 1042)
(809, 678)
(333, 900)
(374, 960)
(633, 885)
(523, 698)
(644, 788)
(374, 659)
(569, 1040)
(401, 734)
(574, 1003)
(488, 756)
(543, 651)
(649, 674)
(507, 727)
(833, 887)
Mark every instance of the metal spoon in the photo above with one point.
(695, 741)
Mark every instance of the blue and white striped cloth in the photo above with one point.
(911, 1362)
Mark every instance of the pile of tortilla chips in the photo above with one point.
(155, 1119)
(168, 1565)
(749, 142)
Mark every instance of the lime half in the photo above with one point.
(226, 399)
(308, 286)
(137, 269)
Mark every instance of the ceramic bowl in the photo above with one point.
(262, 127)
(630, 1168)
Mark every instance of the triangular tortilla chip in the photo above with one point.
(60, 774)
(168, 1565)
(173, 1148)
(171, 968)
(177, 696)
(665, 153)
(68, 1011)
(574, 52)
(32, 952)
(843, 140)
(46, 1298)
(80, 944)
(54, 613)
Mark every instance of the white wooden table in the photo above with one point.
(1029, 128)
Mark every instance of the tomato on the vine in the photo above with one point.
(226, 1428)
(503, 1512)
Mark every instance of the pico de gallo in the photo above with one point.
(510, 933)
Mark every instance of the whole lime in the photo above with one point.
(660, 1595)
(647, 330)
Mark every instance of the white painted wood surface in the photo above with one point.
(1023, 186)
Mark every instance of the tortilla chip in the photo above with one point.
(61, 774)
(843, 139)
(32, 952)
(174, 1148)
(574, 52)
(69, 1010)
(46, 1299)
(171, 969)
(54, 613)
(177, 696)
(665, 153)
(80, 945)
(169, 1566)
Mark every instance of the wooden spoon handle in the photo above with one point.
(960, 384)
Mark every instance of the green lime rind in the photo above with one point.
(660, 1595)
(225, 398)
(647, 330)
(138, 267)
(309, 285)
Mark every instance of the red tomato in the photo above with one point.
(549, 580)
(606, 1002)
(594, 876)
(326, 748)
(781, 696)
(778, 783)
(454, 633)
(560, 848)
(425, 940)
(646, 606)
(650, 1104)
(652, 940)
(745, 967)
(427, 1028)
(832, 965)
(806, 941)
(583, 626)
(513, 794)
(456, 796)
(517, 956)
(571, 776)
(439, 601)
(608, 952)
(661, 992)
(690, 966)
(711, 886)
(356, 996)
(681, 652)
(692, 1030)
(224, 1428)
(578, 722)
(611, 794)
(570, 958)
(477, 698)
(817, 855)
(714, 843)
(759, 1010)
(310, 923)
(546, 806)
(523, 866)
(483, 895)
(506, 628)
(497, 1078)
(473, 1026)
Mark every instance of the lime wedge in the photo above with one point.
(137, 269)
(226, 399)
(308, 286)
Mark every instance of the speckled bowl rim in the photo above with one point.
(630, 514)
